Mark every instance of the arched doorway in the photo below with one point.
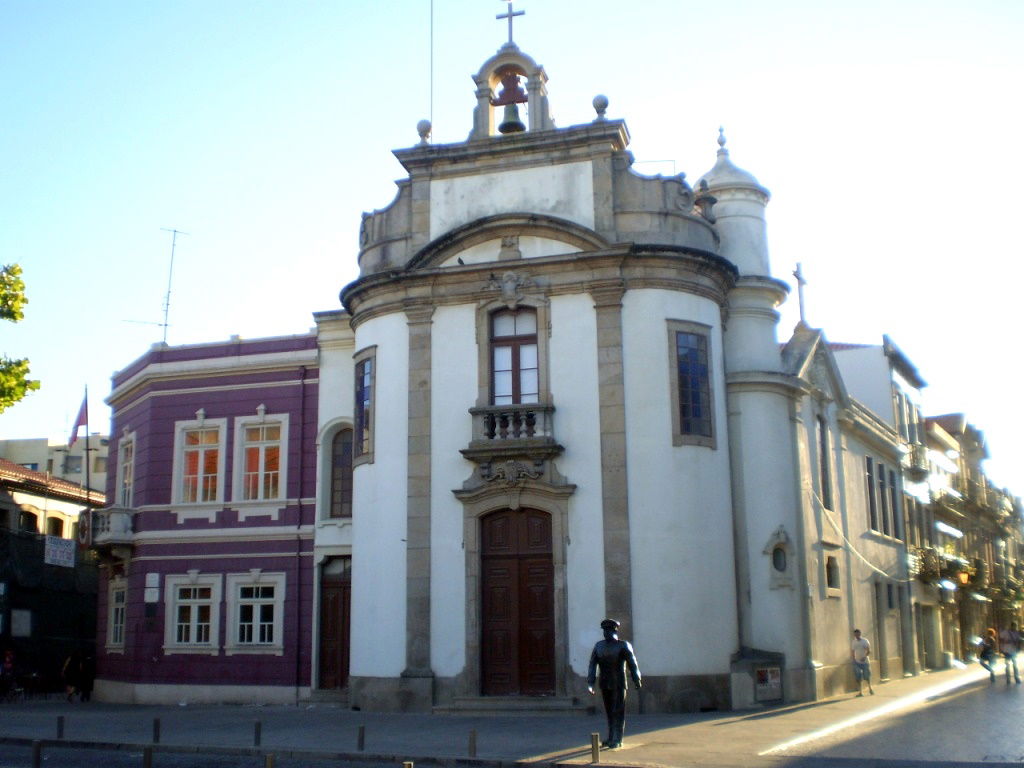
(517, 648)
(335, 613)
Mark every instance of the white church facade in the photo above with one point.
(556, 393)
(583, 410)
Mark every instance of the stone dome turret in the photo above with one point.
(727, 174)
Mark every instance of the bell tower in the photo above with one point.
(499, 86)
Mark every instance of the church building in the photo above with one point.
(555, 393)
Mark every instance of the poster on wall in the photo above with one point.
(21, 623)
(768, 684)
(59, 551)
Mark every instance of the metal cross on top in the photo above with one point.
(509, 16)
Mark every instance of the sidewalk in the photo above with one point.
(326, 731)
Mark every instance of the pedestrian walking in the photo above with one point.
(860, 653)
(87, 677)
(1009, 646)
(72, 673)
(987, 652)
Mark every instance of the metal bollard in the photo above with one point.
(37, 754)
(361, 738)
(595, 748)
(147, 757)
(60, 726)
(156, 730)
(268, 761)
(472, 743)
(257, 735)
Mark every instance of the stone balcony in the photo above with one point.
(915, 462)
(509, 432)
(112, 534)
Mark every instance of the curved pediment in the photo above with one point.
(507, 237)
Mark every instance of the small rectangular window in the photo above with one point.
(894, 507)
(193, 615)
(341, 474)
(869, 473)
(363, 438)
(201, 458)
(126, 471)
(692, 402)
(832, 572)
(115, 632)
(825, 476)
(261, 450)
(515, 372)
(256, 615)
(883, 498)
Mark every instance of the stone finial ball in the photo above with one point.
(423, 128)
(600, 102)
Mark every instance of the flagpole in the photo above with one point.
(87, 540)
(88, 486)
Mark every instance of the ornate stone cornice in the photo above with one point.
(766, 381)
(629, 266)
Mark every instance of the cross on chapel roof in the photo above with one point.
(510, 15)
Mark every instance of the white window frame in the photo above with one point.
(260, 506)
(172, 582)
(254, 577)
(117, 614)
(198, 509)
(126, 482)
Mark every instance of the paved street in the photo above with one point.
(951, 718)
(979, 724)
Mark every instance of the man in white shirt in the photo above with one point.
(1009, 644)
(860, 651)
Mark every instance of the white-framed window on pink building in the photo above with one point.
(255, 605)
(260, 457)
(192, 612)
(199, 459)
(126, 470)
(261, 478)
(116, 614)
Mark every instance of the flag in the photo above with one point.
(82, 420)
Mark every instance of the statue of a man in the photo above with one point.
(612, 656)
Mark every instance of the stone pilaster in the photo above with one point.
(417, 624)
(618, 581)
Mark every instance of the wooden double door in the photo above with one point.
(517, 604)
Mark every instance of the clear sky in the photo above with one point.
(889, 133)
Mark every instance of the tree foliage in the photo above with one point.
(14, 380)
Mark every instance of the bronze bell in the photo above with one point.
(511, 123)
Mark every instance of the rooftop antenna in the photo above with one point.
(170, 275)
(431, 110)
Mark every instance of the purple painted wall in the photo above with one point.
(156, 401)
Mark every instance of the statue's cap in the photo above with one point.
(609, 624)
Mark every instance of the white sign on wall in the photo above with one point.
(59, 551)
(21, 623)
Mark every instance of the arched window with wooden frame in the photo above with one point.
(341, 474)
(515, 371)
